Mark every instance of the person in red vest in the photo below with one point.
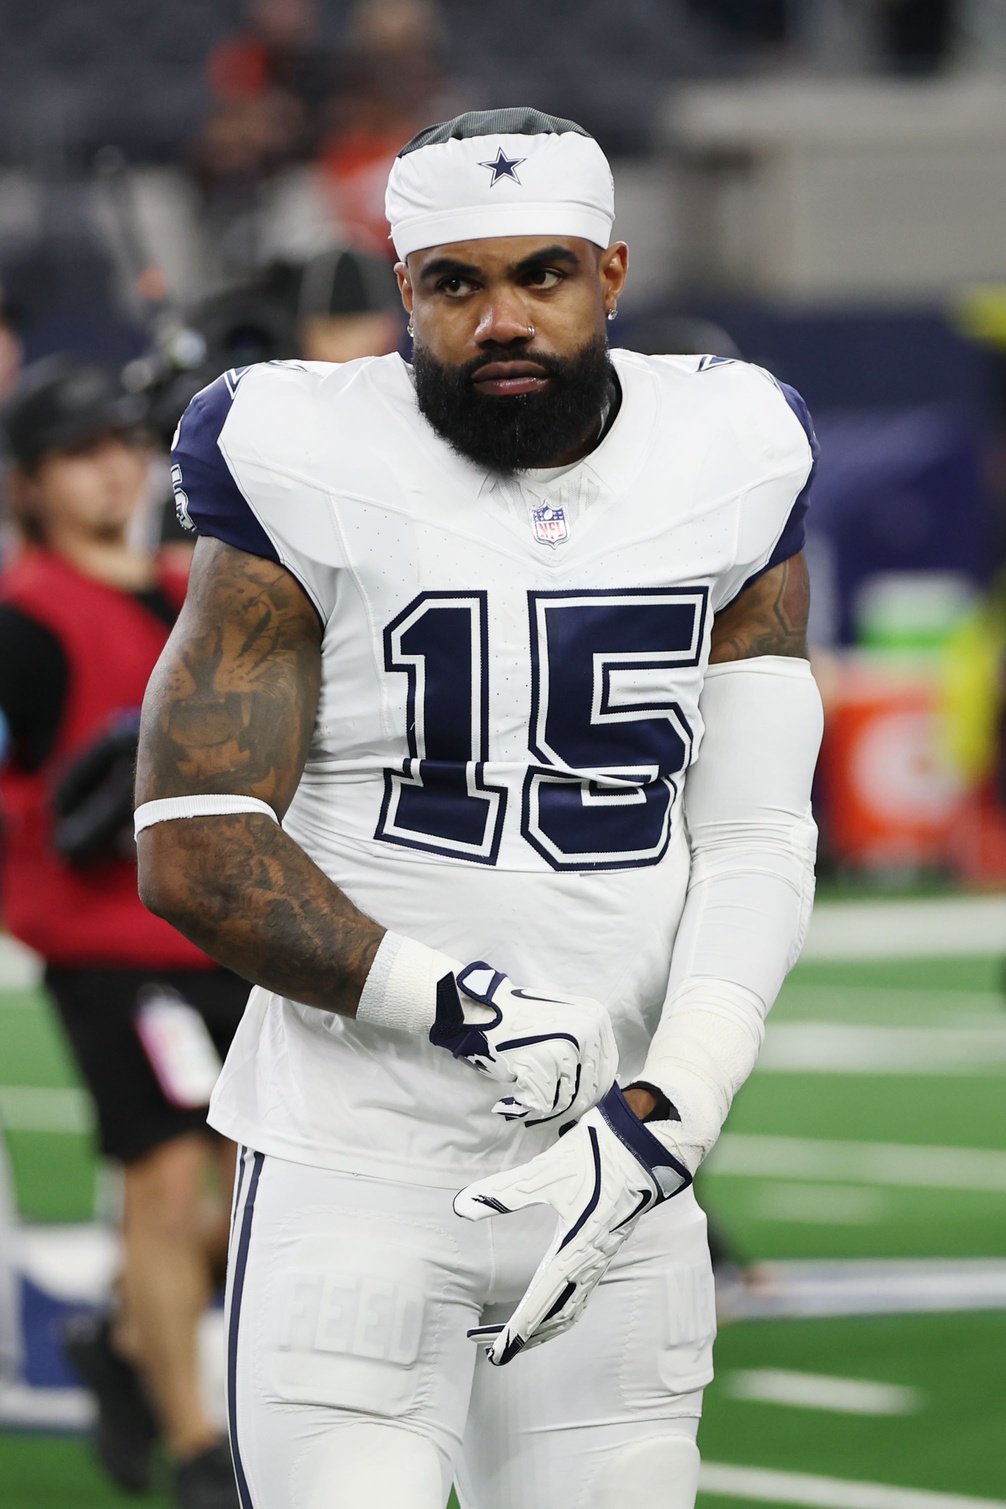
(84, 615)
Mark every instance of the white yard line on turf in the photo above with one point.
(930, 927)
(846, 1396)
(863, 1286)
(20, 968)
(26, 1408)
(770, 1486)
(955, 1002)
(25, 1108)
(753, 1155)
(850, 1048)
(821, 1204)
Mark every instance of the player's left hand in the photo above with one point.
(599, 1178)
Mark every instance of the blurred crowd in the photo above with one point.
(279, 99)
(281, 96)
(290, 119)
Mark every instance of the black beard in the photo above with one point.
(512, 433)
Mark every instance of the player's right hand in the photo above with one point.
(555, 1053)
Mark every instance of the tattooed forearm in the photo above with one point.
(230, 709)
(243, 891)
(767, 618)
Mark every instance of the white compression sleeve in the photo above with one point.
(171, 808)
(753, 840)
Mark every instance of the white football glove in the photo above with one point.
(557, 1052)
(599, 1178)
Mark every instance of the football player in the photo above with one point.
(484, 747)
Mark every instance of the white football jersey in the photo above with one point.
(512, 672)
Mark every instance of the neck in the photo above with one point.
(108, 558)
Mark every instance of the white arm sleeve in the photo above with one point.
(753, 840)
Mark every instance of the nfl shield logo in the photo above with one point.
(549, 524)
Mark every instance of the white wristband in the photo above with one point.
(400, 991)
(168, 809)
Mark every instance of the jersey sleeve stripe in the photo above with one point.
(794, 532)
(209, 495)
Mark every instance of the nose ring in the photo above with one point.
(530, 332)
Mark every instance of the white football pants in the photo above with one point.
(352, 1382)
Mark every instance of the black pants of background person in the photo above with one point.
(142, 1362)
(98, 1009)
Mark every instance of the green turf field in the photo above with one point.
(945, 1430)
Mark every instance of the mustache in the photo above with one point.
(554, 366)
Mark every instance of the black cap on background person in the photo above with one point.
(65, 410)
(347, 306)
(62, 403)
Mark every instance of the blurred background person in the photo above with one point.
(11, 362)
(84, 615)
(11, 353)
(244, 143)
(278, 49)
(390, 84)
(268, 83)
(337, 305)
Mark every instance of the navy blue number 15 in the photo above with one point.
(607, 737)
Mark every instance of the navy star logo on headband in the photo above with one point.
(503, 167)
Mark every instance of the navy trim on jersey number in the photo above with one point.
(610, 741)
(439, 800)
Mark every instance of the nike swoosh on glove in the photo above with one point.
(599, 1178)
(557, 1051)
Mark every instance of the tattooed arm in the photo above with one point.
(230, 709)
(767, 618)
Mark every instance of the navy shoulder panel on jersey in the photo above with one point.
(207, 498)
(794, 534)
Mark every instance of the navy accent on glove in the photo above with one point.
(554, 1054)
(668, 1174)
(450, 1030)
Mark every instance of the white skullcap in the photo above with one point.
(499, 173)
